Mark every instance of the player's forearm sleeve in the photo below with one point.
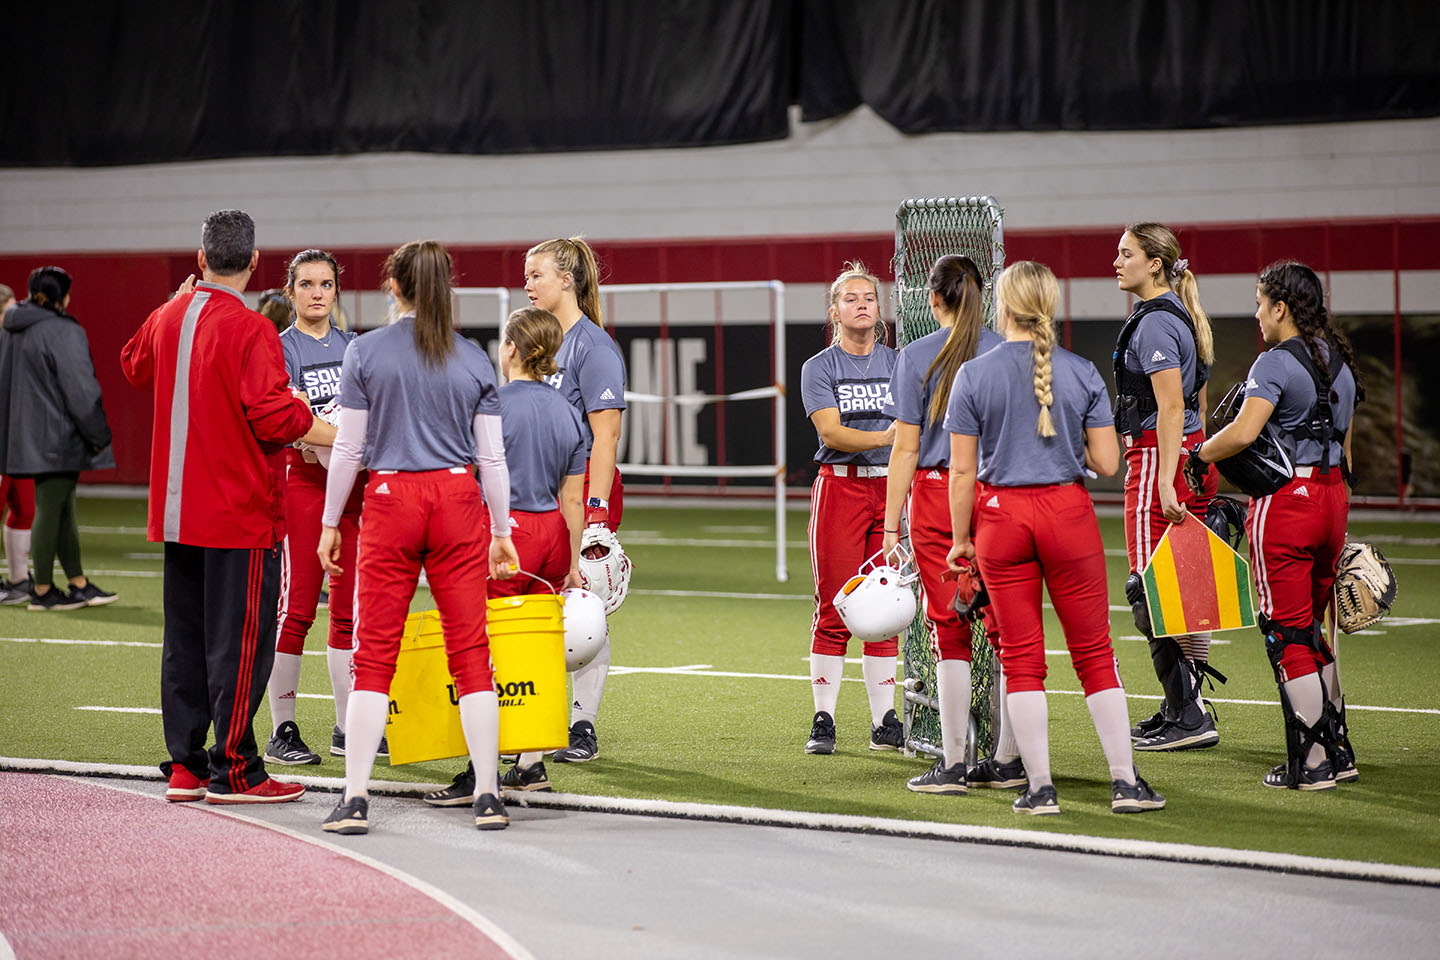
(344, 462)
(494, 474)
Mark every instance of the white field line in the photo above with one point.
(763, 816)
(703, 670)
(470, 915)
(154, 710)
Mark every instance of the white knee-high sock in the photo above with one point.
(879, 674)
(1006, 749)
(480, 719)
(588, 687)
(825, 674)
(364, 726)
(339, 663)
(1030, 719)
(1308, 702)
(953, 679)
(284, 684)
(1112, 723)
(528, 760)
(17, 553)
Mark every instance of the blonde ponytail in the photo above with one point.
(1030, 294)
(1188, 290)
(575, 257)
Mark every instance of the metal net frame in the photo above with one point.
(926, 230)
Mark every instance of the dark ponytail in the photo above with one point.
(956, 280)
(420, 272)
(1299, 288)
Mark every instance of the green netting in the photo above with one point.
(926, 230)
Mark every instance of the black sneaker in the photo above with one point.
(337, 744)
(1041, 801)
(1344, 765)
(822, 734)
(526, 778)
(349, 816)
(1134, 797)
(460, 793)
(583, 744)
(324, 602)
(991, 774)
(1172, 736)
(1151, 725)
(53, 599)
(286, 747)
(490, 813)
(940, 779)
(1319, 777)
(890, 735)
(16, 593)
(91, 595)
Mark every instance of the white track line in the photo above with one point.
(764, 816)
(467, 913)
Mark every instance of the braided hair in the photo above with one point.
(1031, 294)
(1300, 289)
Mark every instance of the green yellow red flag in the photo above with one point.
(1194, 582)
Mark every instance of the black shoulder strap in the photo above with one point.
(1320, 423)
(1134, 395)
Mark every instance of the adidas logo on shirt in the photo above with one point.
(383, 488)
(1156, 357)
(1300, 491)
(993, 502)
(607, 395)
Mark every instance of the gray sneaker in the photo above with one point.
(991, 774)
(584, 745)
(337, 744)
(349, 817)
(1134, 797)
(1041, 801)
(16, 593)
(940, 779)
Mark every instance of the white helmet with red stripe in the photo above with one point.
(878, 602)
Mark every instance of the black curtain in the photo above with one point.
(128, 81)
(951, 65)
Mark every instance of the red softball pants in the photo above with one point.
(300, 570)
(847, 526)
(1026, 536)
(1145, 524)
(437, 519)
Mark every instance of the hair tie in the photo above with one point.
(1177, 271)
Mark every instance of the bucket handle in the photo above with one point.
(521, 572)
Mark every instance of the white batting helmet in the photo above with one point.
(585, 628)
(607, 575)
(877, 603)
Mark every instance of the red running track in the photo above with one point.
(87, 871)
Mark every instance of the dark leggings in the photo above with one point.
(56, 531)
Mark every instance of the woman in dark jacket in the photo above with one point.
(52, 426)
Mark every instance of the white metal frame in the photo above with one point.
(777, 470)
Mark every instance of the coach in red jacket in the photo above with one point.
(223, 414)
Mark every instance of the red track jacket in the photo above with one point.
(223, 416)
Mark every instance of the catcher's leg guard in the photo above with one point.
(1293, 774)
(1342, 756)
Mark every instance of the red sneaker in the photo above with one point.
(267, 791)
(184, 786)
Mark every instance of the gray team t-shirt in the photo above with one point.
(591, 373)
(544, 443)
(314, 365)
(1162, 341)
(994, 399)
(911, 398)
(1280, 378)
(421, 417)
(859, 387)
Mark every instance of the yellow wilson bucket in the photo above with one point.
(424, 719)
(527, 647)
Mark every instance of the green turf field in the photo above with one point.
(708, 699)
